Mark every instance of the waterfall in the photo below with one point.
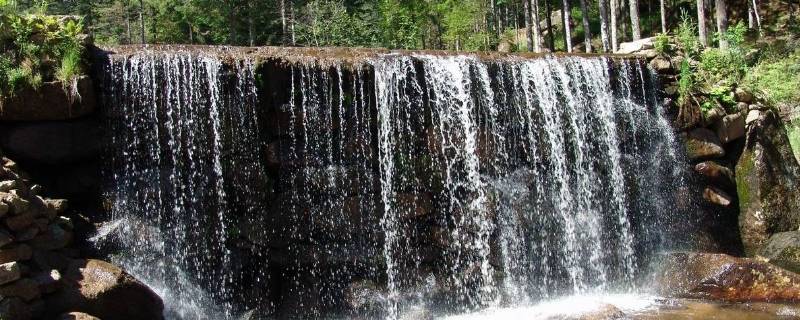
(377, 186)
(184, 159)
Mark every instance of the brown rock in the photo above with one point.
(716, 174)
(48, 282)
(16, 204)
(605, 312)
(14, 309)
(25, 289)
(9, 272)
(5, 238)
(8, 185)
(21, 221)
(689, 116)
(717, 196)
(730, 127)
(19, 252)
(725, 278)
(59, 205)
(702, 144)
(661, 65)
(27, 234)
(4, 208)
(743, 95)
(47, 260)
(77, 316)
(106, 291)
(49, 102)
(54, 238)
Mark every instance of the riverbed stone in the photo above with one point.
(717, 174)
(106, 291)
(9, 272)
(725, 278)
(730, 127)
(717, 196)
(702, 144)
(768, 180)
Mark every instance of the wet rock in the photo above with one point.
(725, 278)
(19, 252)
(9, 272)
(25, 289)
(59, 205)
(743, 95)
(714, 115)
(106, 291)
(53, 143)
(717, 196)
(716, 174)
(50, 102)
(77, 316)
(605, 312)
(689, 116)
(702, 144)
(783, 249)
(363, 295)
(14, 309)
(730, 127)
(767, 180)
(20, 222)
(6, 186)
(16, 204)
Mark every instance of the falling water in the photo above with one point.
(389, 184)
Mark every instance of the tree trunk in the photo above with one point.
(701, 22)
(603, 7)
(551, 43)
(587, 32)
(663, 9)
(537, 29)
(250, 24)
(567, 29)
(141, 21)
(636, 30)
(528, 33)
(129, 39)
(614, 36)
(291, 17)
(284, 29)
(722, 23)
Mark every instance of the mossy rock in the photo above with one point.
(767, 181)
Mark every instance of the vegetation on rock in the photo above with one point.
(37, 48)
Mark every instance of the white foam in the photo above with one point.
(565, 307)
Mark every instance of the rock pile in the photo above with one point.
(40, 275)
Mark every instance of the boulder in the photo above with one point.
(743, 95)
(15, 203)
(19, 252)
(725, 278)
(767, 180)
(6, 186)
(703, 144)
(604, 312)
(689, 116)
(717, 196)
(635, 46)
(716, 174)
(661, 65)
(9, 272)
(53, 143)
(54, 238)
(783, 249)
(730, 127)
(106, 291)
(12, 308)
(5, 238)
(25, 289)
(50, 102)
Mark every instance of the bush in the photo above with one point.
(687, 35)
(777, 80)
(685, 83)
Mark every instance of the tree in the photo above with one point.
(635, 26)
(551, 38)
(567, 30)
(701, 23)
(528, 31)
(537, 30)
(587, 32)
(722, 23)
(603, 8)
(614, 37)
(663, 10)
(141, 21)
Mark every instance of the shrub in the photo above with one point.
(687, 35)
(685, 82)
(661, 43)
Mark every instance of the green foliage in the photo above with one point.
(661, 43)
(687, 35)
(685, 82)
(777, 79)
(37, 48)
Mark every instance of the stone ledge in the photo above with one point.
(50, 102)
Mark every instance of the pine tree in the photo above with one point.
(722, 22)
(701, 22)
(635, 26)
